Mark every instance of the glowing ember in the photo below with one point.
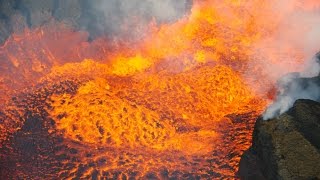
(182, 100)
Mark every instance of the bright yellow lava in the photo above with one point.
(157, 111)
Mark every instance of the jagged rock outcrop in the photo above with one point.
(287, 147)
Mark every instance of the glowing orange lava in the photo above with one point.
(165, 97)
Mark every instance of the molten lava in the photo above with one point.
(182, 100)
(133, 113)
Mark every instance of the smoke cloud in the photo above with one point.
(295, 38)
(131, 18)
(292, 87)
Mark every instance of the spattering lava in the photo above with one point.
(180, 103)
(158, 111)
(158, 119)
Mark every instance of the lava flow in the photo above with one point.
(180, 103)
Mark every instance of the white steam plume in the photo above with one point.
(296, 37)
(292, 87)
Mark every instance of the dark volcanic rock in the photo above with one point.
(287, 147)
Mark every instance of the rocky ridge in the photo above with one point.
(287, 147)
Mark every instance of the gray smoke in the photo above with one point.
(112, 18)
(130, 18)
(294, 86)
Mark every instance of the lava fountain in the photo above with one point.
(178, 103)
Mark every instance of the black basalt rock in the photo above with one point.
(287, 147)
